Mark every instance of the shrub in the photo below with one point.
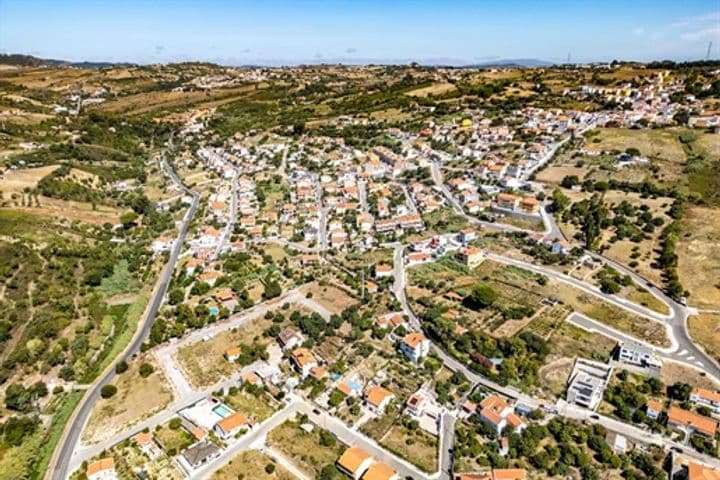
(146, 370)
(108, 391)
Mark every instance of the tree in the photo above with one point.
(121, 367)
(482, 296)
(176, 296)
(146, 370)
(108, 391)
(128, 219)
(272, 289)
(174, 423)
(18, 398)
(679, 391)
(560, 201)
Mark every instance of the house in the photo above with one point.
(529, 205)
(467, 235)
(635, 353)
(695, 471)
(416, 403)
(201, 453)
(496, 412)
(289, 338)
(383, 270)
(231, 425)
(617, 442)
(588, 380)
(309, 259)
(380, 471)
(103, 469)
(303, 360)
(708, 398)
(495, 474)
(377, 398)
(691, 422)
(653, 409)
(354, 462)
(470, 256)
(507, 200)
(389, 320)
(418, 257)
(147, 445)
(318, 373)
(162, 244)
(415, 346)
(209, 277)
(371, 287)
(232, 354)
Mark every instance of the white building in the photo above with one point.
(636, 353)
(415, 346)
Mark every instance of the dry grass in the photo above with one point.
(653, 143)
(304, 449)
(251, 465)
(673, 372)
(435, 89)
(18, 180)
(699, 256)
(257, 408)
(555, 174)
(136, 398)
(418, 447)
(705, 329)
(203, 362)
(333, 298)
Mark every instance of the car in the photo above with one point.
(316, 411)
(676, 449)
(595, 417)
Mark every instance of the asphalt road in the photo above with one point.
(72, 432)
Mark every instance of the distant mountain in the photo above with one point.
(31, 61)
(512, 62)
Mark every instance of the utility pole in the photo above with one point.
(707, 55)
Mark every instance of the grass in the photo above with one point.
(44, 453)
(705, 329)
(203, 362)
(304, 449)
(126, 325)
(418, 446)
(172, 440)
(257, 408)
(112, 415)
(251, 465)
(330, 297)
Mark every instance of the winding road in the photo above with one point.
(58, 468)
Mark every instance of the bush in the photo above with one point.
(108, 391)
(174, 423)
(146, 370)
(269, 468)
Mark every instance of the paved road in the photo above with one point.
(228, 230)
(447, 443)
(58, 469)
(362, 194)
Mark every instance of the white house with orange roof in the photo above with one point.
(415, 346)
(354, 462)
(496, 412)
(303, 360)
(708, 398)
(231, 425)
(162, 244)
(378, 398)
(103, 469)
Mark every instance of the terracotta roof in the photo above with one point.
(143, 438)
(318, 372)
(414, 339)
(100, 466)
(706, 394)
(233, 421)
(700, 472)
(509, 474)
(303, 356)
(379, 471)
(381, 267)
(700, 423)
(655, 405)
(232, 352)
(376, 395)
(353, 458)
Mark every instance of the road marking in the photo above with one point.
(691, 357)
(700, 363)
(683, 352)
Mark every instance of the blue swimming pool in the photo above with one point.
(213, 311)
(222, 411)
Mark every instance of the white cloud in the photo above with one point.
(709, 33)
(638, 31)
(712, 17)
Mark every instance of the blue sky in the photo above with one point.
(285, 32)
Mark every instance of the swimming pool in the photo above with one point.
(222, 411)
(213, 311)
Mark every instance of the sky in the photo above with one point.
(274, 32)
